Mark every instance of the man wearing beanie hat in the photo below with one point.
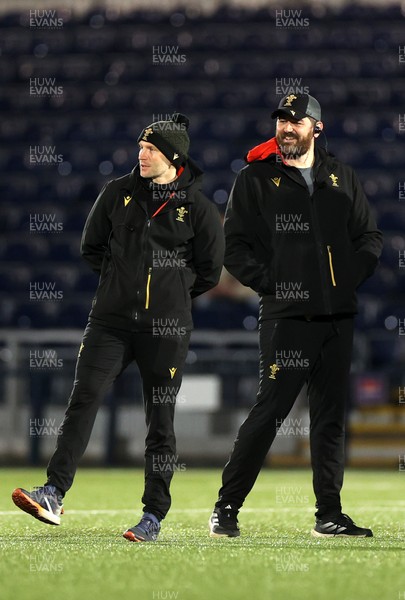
(299, 232)
(157, 242)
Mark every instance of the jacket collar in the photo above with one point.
(269, 151)
(189, 181)
(264, 150)
(172, 196)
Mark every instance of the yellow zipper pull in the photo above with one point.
(332, 274)
(147, 287)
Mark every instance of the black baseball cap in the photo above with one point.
(298, 106)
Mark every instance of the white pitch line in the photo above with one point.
(293, 507)
(173, 510)
(131, 510)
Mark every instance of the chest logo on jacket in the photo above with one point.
(180, 214)
(334, 180)
(276, 180)
(273, 370)
(127, 199)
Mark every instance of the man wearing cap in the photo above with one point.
(157, 242)
(299, 232)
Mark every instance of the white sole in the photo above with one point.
(316, 534)
(28, 505)
(219, 535)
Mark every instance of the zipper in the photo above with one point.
(321, 256)
(147, 287)
(146, 233)
(144, 253)
(332, 274)
(139, 275)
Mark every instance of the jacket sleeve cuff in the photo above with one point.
(262, 286)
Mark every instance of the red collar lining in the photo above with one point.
(262, 151)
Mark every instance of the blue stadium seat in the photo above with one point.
(227, 86)
(34, 315)
(28, 251)
(73, 315)
(87, 282)
(65, 250)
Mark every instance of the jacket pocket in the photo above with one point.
(332, 272)
(147, 293)
(186, 293)
(104, 282)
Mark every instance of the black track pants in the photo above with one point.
(105, 354)
(316, 351)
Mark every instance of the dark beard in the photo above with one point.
(296, 149)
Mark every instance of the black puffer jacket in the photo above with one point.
(152, 262)
(304, 255)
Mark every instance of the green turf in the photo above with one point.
(274, 559)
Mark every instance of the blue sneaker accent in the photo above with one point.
(147, 529)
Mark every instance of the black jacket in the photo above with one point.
(304, 255)
(155, 247)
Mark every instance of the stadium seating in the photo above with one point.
(227, 84)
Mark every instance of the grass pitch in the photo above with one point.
(275, 558)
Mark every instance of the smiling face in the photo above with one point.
(153, 164)
(295, 138)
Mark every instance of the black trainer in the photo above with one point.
(339, 526)
(224, 522)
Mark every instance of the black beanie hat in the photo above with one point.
(170, 137)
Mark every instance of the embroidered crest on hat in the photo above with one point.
(304, 105)
(290, 99)
(147, 133)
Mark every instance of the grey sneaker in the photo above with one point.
(43, 503)
(147, 529)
